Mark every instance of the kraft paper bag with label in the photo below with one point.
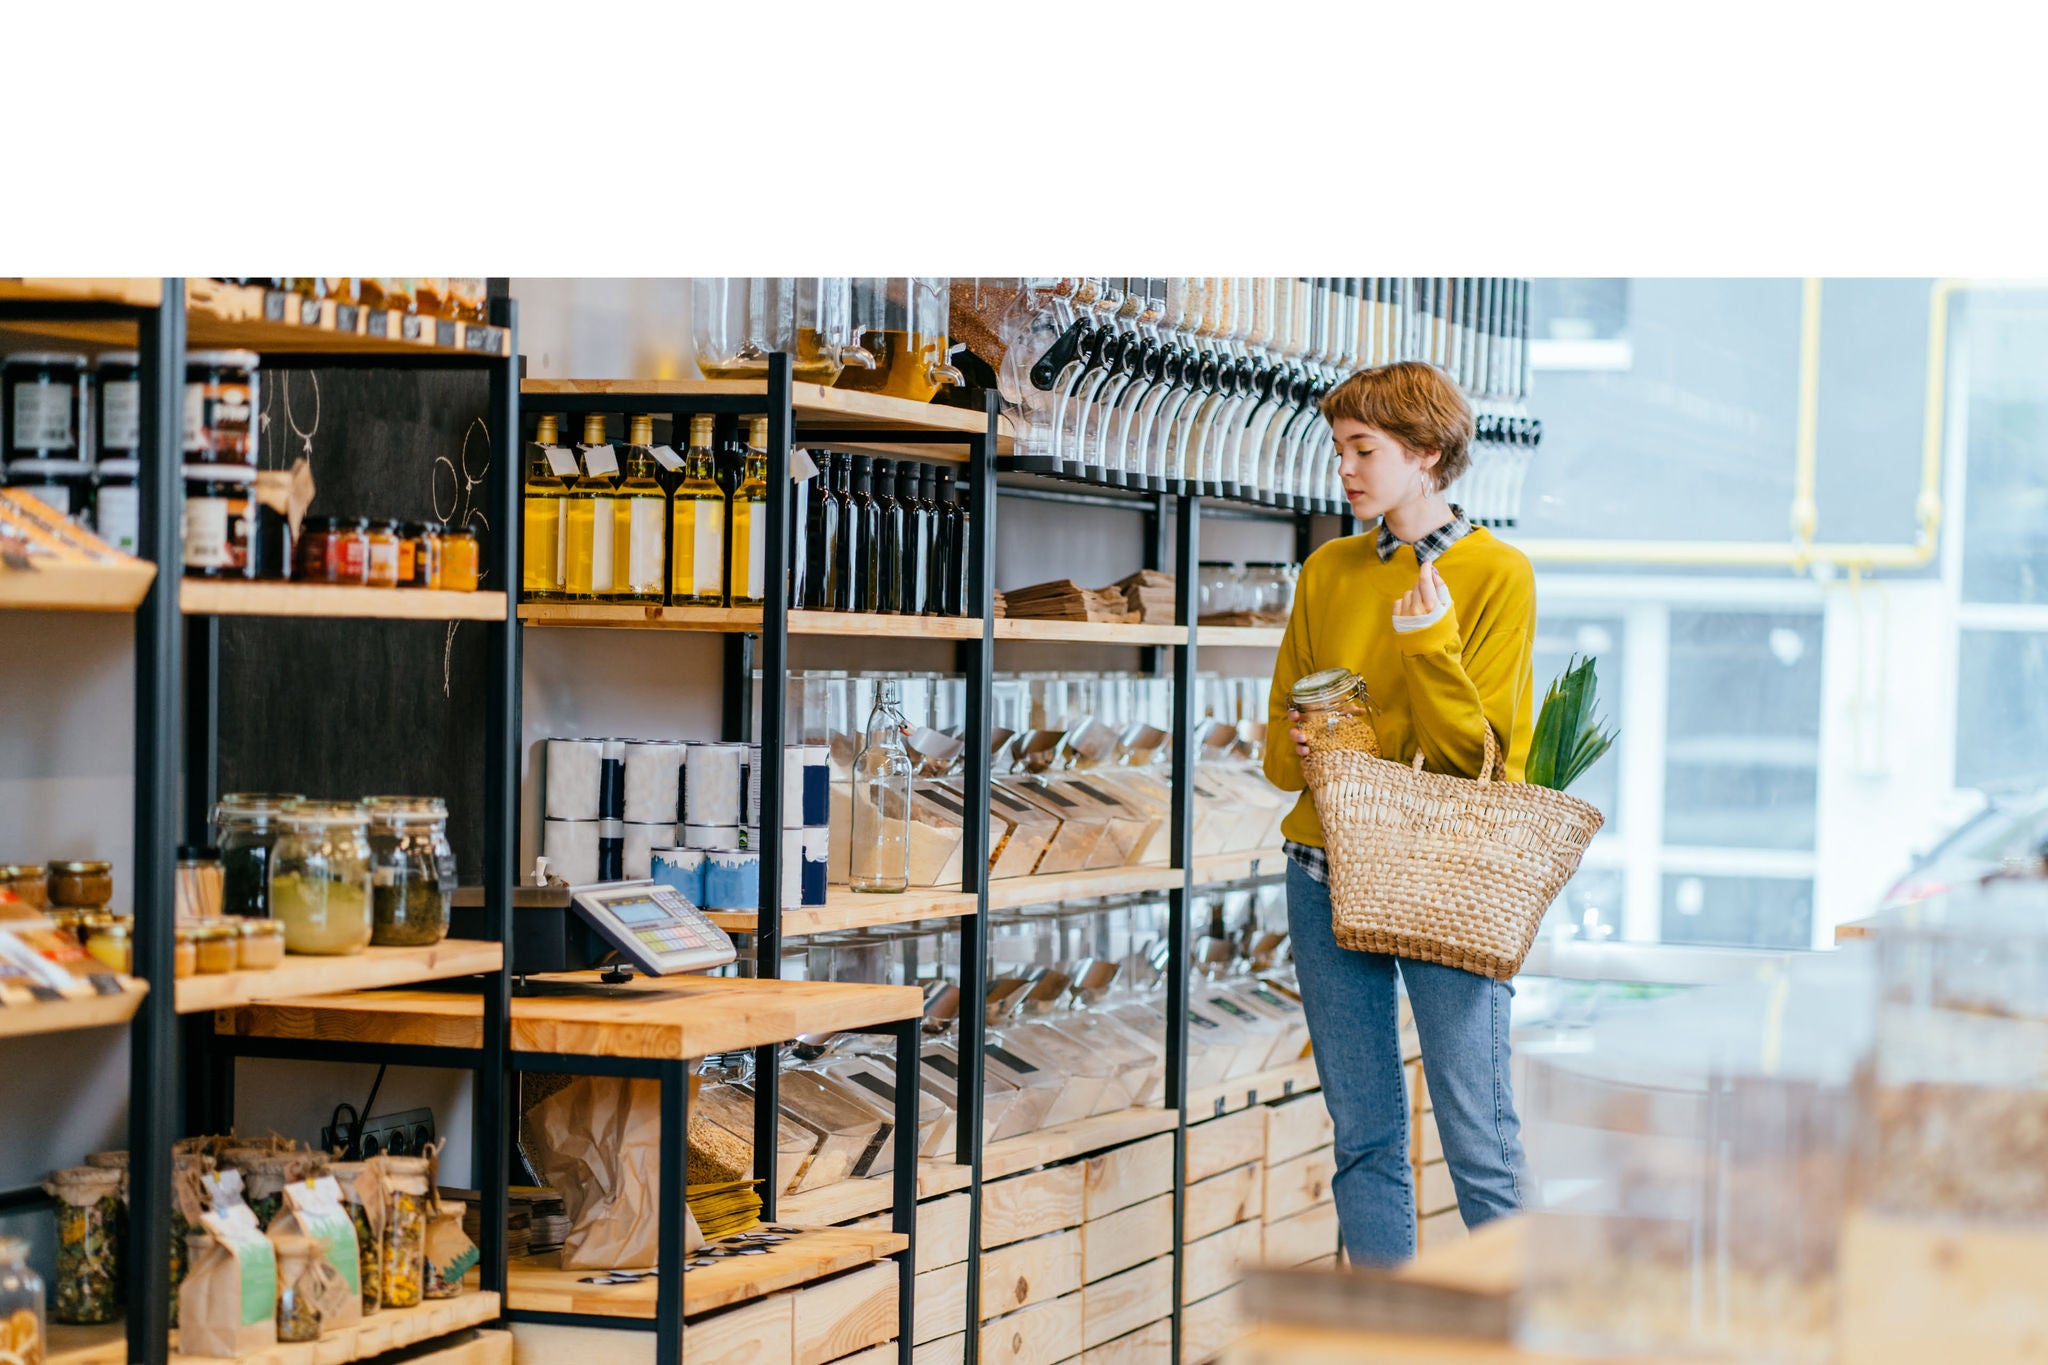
(600, 1141)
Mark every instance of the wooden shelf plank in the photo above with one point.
(1088, 632)
(538, 1284)
(816, 405)
(1078, 1138)
(373, 1336)
(215, 597)
(1227, 1097)
(104, 1345)
(373, 967)
(219, 315)
(76, 586)
(137, 293)
(1239, 637)
(846, 908)
(63, 1016)
(847, 1199)
(1236, 867)
(647, 1017)
(745, 620)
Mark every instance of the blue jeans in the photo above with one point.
(1461, 1019)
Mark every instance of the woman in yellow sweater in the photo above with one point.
(1438, 617)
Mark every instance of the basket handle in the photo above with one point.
(1494, 768)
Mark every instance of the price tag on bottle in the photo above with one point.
(666, 457)
(561, 461)
(802, 466)
(600, 461)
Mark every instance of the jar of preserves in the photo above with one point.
(117, 504)
(320, 877)
(64, 486)
(1335, 711)
(461, 559)
(246, 823)
(220, 521)
(114, 945)
(419, 555)
(383, 556)
(334, 550)
(117, 402)
(91, 1224)
(259, 945)
(1215, 589)
(22, 1333)
(81, 885)
(214, 948)
(42, 390)
(220, 407)
(412, 870)
(185, 951)
(29, 883)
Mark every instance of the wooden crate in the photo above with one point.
(1127, 1175)
(1216, 1262)
(885, 1354)
(838, 1317)
(1117, 1241)
(1026, 1273)
(1304, 1182)
(1307, 1236)
(762, 1332)
(537, 1343)
(941, 1230)
(1033, 1204)
(1149, 1345)
(487, 1347)
(941, 1306)
(1220, 1144)
(1210, 1327)
(1298, 1126)
(945, 1351)
(1044, 1335)
(1116, 1307)
(1225, 1200)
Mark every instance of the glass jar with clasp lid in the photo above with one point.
(22, 1330)
(1335, 712)
(320, 877)
(412, 870)
(246, 827)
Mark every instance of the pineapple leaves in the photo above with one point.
(1569, 736)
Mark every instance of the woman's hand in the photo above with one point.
(1296, 733)
(1426, 596)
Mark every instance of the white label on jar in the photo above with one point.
(605, 516)
(122, 411)
(648, 555)
(383, 560)
(195, 418)
(707, 561)
(206, 534)
(757, 549)
(120, 515)
(54, 494)
(42, 416)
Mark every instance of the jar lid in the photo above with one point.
(120, 469)
(258, 928)
(45, 358)
(383, 524)
(434, 528)
(413, 529)
(9, 871)
(1318, 689)
(219, 473)
(315, 814)
(116, 930)
(236, 360)
(253, 803)
(30, 470)
(188, 933)
(207, 933)
(78, 868)
(107, 358)
(382, 807)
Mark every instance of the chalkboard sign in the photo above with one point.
(343, 709)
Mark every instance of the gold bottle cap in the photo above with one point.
(700, 429)
(757, 432)
(640, 431)
(593, 429)
(548, 431)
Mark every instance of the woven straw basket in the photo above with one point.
(1443, 869)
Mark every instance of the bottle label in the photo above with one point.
(757, 550)
(707, 554)
(666, 457)
(121, 409)
(601, 461)
(217, 422)
(120, 517)
(42, 416)
(54, 495)
(209, 527)
(606, 517)
(561, 461)
(648, 556)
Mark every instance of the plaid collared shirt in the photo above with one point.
(1314, 861)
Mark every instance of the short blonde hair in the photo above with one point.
(1416, 404)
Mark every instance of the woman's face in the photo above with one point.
(1378, 472)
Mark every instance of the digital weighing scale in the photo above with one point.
(558, 928)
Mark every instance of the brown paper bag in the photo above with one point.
(600, 1145)
(228, 1303)
(313, 1208)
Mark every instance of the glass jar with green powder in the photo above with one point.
(320, 877)
(246, 828)
(412, 870)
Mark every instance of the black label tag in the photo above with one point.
(347, 317)
(44, 994)
(1012, 1061)
(273, 305)
(377, 323)
(309, 312)
(444, 334)
(106, 983)
(412, 325)
(484, 339)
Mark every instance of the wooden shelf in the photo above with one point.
(815, 404)
(237, 316)
(847, 1199)
(216, 597)
(745, 620)
(1227, 1097)
(301, 975)
(1088, 632)
(1236, 867)
(657, 1018)
(63, 1016)
(389, 1330)
(846, 908)
(136, 293)
(1078, 1138)
(1239, 637)
(76, 586)
(538, 1284)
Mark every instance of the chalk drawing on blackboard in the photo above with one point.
(462, 512)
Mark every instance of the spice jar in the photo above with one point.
(383, 561)
(405, 1229)
(259, 945)
(412, 870)
(198, 883)
(185, 951)
(81, 885)
(246, 825)
(461, 559)
(21, 1305)
(1335, 713)
(425, 539)
(29, 883)
(220, 407)
(114, 944)
(92, 1224)
(362, 1194)
(42, 390)
(334, 550)
(214, 948)
(220, 521)
(298, 1307)
(320, 877)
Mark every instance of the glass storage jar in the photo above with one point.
(460, 558)
(334, 550)
(259, 945)
(382, 566)
(412, 870)
(903, 325)
(1335, 711)
(320, 877)
(21, 1305)
(185, 951)
(737, 323)
(246, 825)
(114, 945)
(92, 1219)
(1268, 591)
(199, 883)
(29, 883)
(1216, 588)
(214, 949)
(81, 885)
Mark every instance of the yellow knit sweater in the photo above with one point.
(1432, 686)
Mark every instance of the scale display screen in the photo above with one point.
(654, 926)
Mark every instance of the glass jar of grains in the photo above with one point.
(413, 870)
(247, 826)
(1335, 712)
(320, 877)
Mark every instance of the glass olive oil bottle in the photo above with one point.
(750, 520)
(640, 540)
(697, 531)
(543, 502)
(590, 523)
